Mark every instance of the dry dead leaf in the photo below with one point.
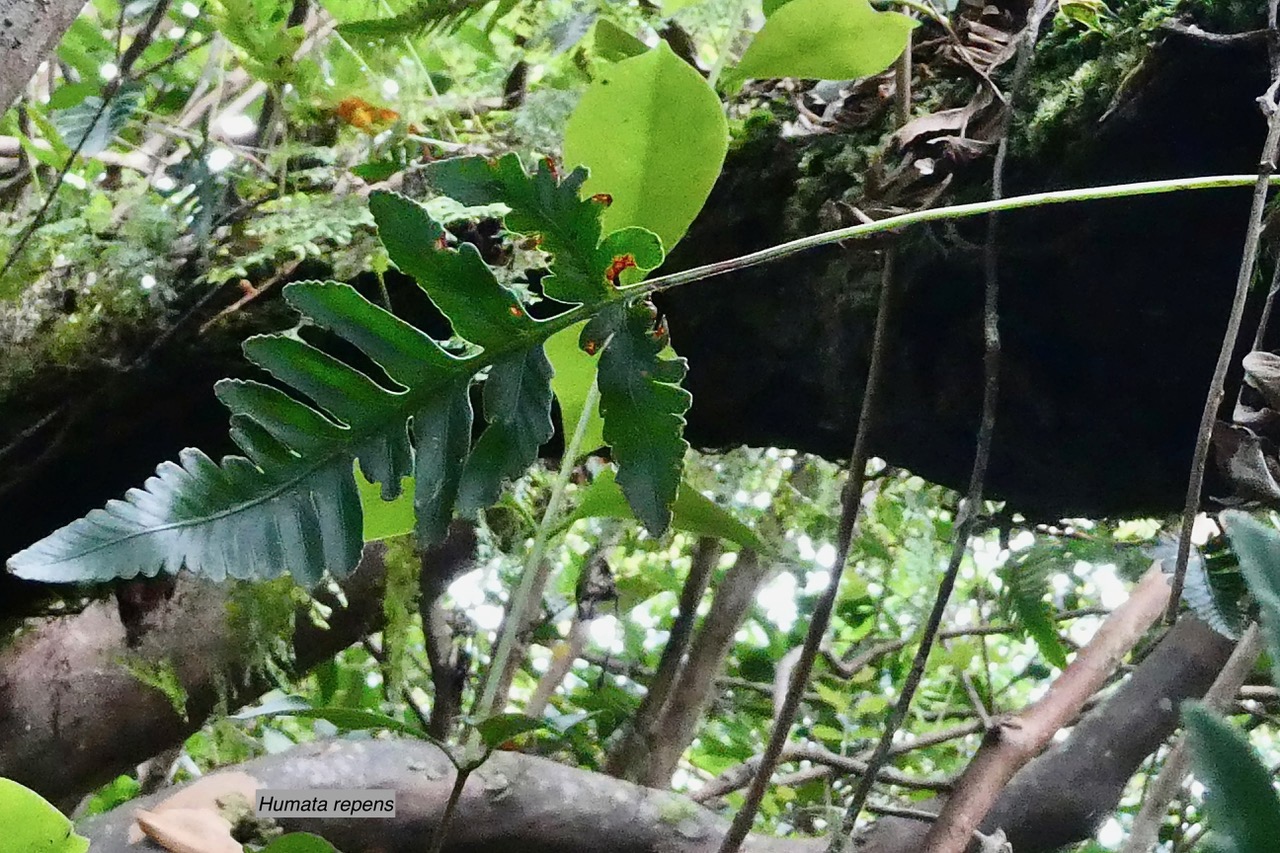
(194, 830)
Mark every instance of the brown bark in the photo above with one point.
(513, 802)
(29, 31)
(626, 760)
(72, 716)
(1016, 739)
(696, 686)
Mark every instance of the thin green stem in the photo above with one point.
(520, 602)
(451, 806)
(722, 54)
(938, 214)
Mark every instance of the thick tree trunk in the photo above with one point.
(73, 716)
(29, 30)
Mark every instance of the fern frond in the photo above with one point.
(290, 503)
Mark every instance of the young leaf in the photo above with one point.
(1241, 803)
(654, 136)
(583, 266)
(643, 407)
(500, 728)
(691, 512)
(826, 40)
(1257, 546)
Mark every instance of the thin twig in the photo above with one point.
(1213, 400)
(1018, 738)
(130, 56)
(490, 702)
(1155, 804)
(850, 509)
(967, 515)
(949, 213)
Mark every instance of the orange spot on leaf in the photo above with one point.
(515, 311)
(602, 199)
(591, 347)
(620, 263)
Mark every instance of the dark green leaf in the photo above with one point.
(88, 120)
(459, 283)
(517, 405)
(442, 435)
(500, 728)
(569, 225)
(643, 407)
(1241, 803)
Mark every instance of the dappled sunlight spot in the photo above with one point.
(826, 556)
(487, 616)
(237, 126)
(1110, 834)
(816, 581)
(606, 633)
(467, 591)
(778, 598)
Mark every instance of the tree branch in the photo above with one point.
(1016, 739)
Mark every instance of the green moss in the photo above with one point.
(399, 606)
(162, 676)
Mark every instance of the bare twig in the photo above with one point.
(1016, 739)
(1155, 804)
(1252, 238)
(850, 508)
(624, 759)
(735, 778)
(967, 515)
(130, 56)
(694, 690)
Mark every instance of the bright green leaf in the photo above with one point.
(575, 373)
(385, 519)
(653, 135)
(692, 512)
(1240, 801)
(31, 824)
(614, 44)
(826, 40)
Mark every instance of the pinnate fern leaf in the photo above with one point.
(290, 503)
